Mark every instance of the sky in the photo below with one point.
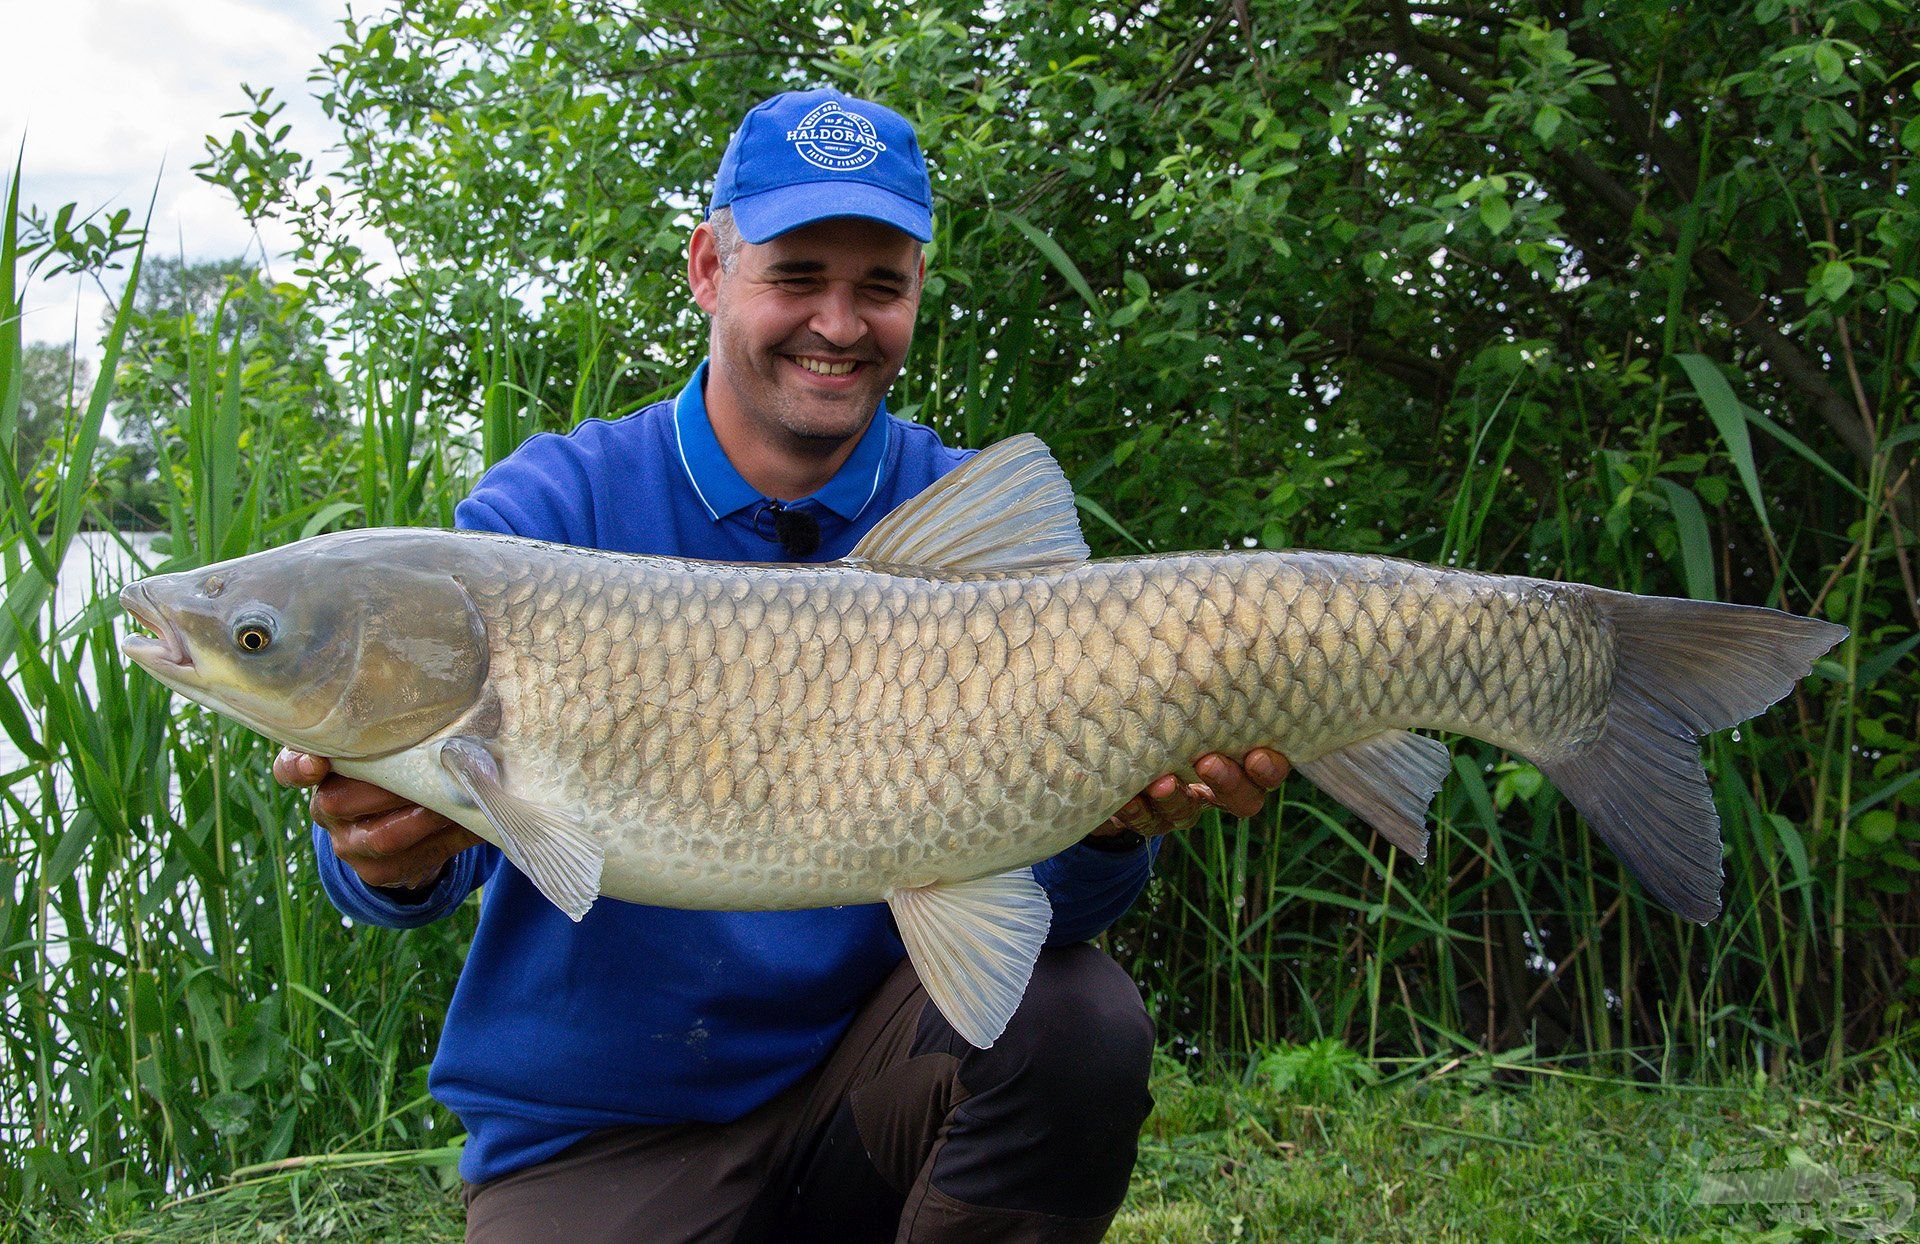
(112, 97)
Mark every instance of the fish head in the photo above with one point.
(322, 645)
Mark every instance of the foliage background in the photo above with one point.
(1625, 296)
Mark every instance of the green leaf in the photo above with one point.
(1877, 826)
(227, 1113)
(1828, 63)
(1696, 547)
(1099, 511)
(1871, 669)
(1795, 848)
(1495, 213)
(1063, 263)
(1832, 279)
(13, 719)
(1729, 419)
(1892, 787)
(72, 848)
(1910, 135)
(1798, 446)
(1546, 123)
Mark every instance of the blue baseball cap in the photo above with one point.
(804, 156)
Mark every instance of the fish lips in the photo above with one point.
(164, 653)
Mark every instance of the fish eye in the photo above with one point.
(254, 634)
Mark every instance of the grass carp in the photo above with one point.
(965, 695)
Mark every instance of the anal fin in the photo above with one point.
(550, 846)
(1387, 780)
(973, 944)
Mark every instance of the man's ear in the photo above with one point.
(703, 267)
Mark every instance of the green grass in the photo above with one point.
(1483, 1154)
(1463, 1150)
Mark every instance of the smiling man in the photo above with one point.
(665, 1075)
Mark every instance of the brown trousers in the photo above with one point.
(905, 1133)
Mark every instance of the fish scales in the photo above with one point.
(986, 718)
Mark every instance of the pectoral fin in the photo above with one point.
(550, 846)
(1387, 780)
(973, 944)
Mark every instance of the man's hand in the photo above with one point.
(391, 842)
(1169, 804)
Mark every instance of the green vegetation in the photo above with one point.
(1632, 299)
(1480, 1150)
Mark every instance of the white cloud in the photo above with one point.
(114, 99)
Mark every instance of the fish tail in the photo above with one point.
(1682, 669)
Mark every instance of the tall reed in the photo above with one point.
(181, 1000)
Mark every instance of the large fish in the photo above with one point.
(964, 695)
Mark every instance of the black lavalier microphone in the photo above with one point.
(797, 531)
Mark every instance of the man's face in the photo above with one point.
(811, 328)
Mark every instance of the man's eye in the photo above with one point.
(799, 283)
(885, 293)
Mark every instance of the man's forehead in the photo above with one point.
(846, 242)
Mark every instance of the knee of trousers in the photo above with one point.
(1077, 1051)
(1050, 1121)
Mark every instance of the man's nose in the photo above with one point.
(837, 319)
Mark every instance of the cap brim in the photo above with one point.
(764, 216)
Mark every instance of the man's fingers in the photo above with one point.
(1132, 815)
(425, 861)
(389, 834)
(297, 769)
(403, 848)
(1267, 767)
(1171, 805)
(1233, 790)
(339, 800)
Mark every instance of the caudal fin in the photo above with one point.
(1683, 669)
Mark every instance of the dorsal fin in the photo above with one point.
(1009, 507)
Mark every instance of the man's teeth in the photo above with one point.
(821, 368)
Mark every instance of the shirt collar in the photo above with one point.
(724, 491)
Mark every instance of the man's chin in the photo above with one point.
(837, 425)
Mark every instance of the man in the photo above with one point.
(654, 1074)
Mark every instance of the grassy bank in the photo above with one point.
(1300, 1148)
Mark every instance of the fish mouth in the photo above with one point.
(165, 651)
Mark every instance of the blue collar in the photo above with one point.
(724, 491)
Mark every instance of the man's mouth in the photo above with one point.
(827, 367)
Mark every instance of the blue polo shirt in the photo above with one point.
(649, 1014)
